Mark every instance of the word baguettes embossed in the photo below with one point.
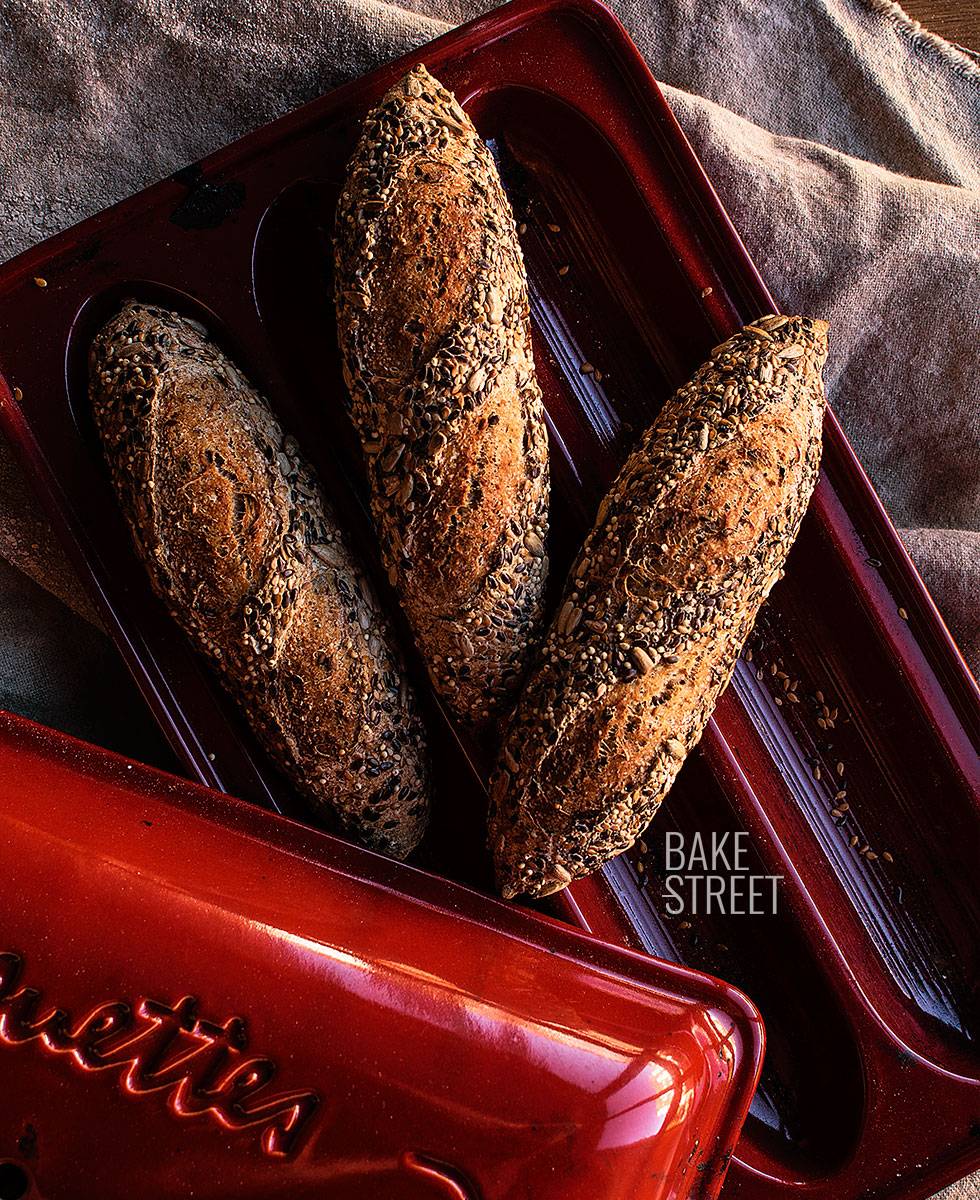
(159, 1047)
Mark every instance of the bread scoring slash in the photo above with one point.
(432, 314)
(239, 543)
(685, 548)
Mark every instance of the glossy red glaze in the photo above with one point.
(233, 1005)
(866, 976)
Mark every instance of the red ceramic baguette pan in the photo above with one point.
(846, 748)
(201, 999)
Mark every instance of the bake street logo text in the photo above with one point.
(710, 873)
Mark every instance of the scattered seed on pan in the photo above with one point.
(522, 228)
(816, 774)
(819, 696)
(554, 229)
(760, 675)
(563, 270)
(871, 856)
(836, 812)
(586, 368)
(887, 856)
(873, 562)
(706, 292)
(845, 807)
(840, 768)
(854, 840)
(793, 698)
(748, 654)
(779, 702)
(684, 925)
(903, 614)
(41, 283)
(597, 376)
(18, 395)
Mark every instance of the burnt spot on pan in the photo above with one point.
(207, 204)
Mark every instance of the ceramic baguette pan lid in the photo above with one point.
(845, 751)
(201, 998)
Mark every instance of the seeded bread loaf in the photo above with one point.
(432, 313)
(685, 548)
(240, 545)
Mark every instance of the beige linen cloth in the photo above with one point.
(844, 140)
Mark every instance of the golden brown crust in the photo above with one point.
(240, 545)
(432, 313)
(685, 548)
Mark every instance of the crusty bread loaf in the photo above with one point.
(685, 548)
(240, 545)
(432, 313)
